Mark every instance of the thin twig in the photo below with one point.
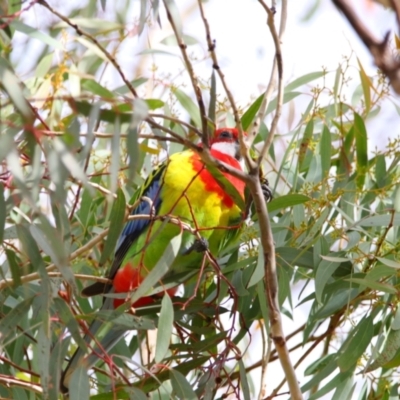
(105, 135)
(253, 131)
(193, 78)
(82, 276)
(177, 121)
(211, 49)
(279, 64)
(179, 138)
(5, 360)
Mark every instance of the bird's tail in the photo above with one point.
(87, 356)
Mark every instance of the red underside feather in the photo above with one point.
(128, 279)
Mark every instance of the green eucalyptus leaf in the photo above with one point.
(164, 328)
(182, 388)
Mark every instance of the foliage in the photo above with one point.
(74, 150)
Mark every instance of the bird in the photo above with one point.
(184, 188)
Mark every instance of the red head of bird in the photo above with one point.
(226, 141)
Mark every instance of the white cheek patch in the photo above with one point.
(228, 148)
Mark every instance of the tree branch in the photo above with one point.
(271, 286)
(8, 381)
(384, 58)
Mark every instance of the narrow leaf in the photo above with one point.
(58, 352)
(48, 239)
(213, 98)
(361, 149)
(160, 269)
(134, 393)
(115, 159)
(227, 186)
(251, 112)
(389, 263)
(325, 151)
(286, 201)
(14, 267)
(2, 212)
(303, 80)
(353, 349)
(10, 322)
(171, 40)
(153, 104)
(124, 115)
(66, 316)
(388, 353)
(259, 271)
(305, 142)
(188, 104)
(332, 383)
(243, 381)
(79, 388)
(116, 220)
(164, 331)
(142, 16)
(95, 87)
(324, 272)
(396, 320)
(43, 345)
(13, 88)
(318, 377)
(286, 98)
(69, 160)
(36, 33)
(380, 170)
(383, 287)
(366, 86)
(182, 388)
(140, 112)
(149, 383)
(380, 220)
(174, 13)
(345, 390)
(31, 248)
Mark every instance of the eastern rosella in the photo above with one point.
(184, 188)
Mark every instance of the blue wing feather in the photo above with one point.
(134, 228)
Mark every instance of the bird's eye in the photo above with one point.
(226, 135)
